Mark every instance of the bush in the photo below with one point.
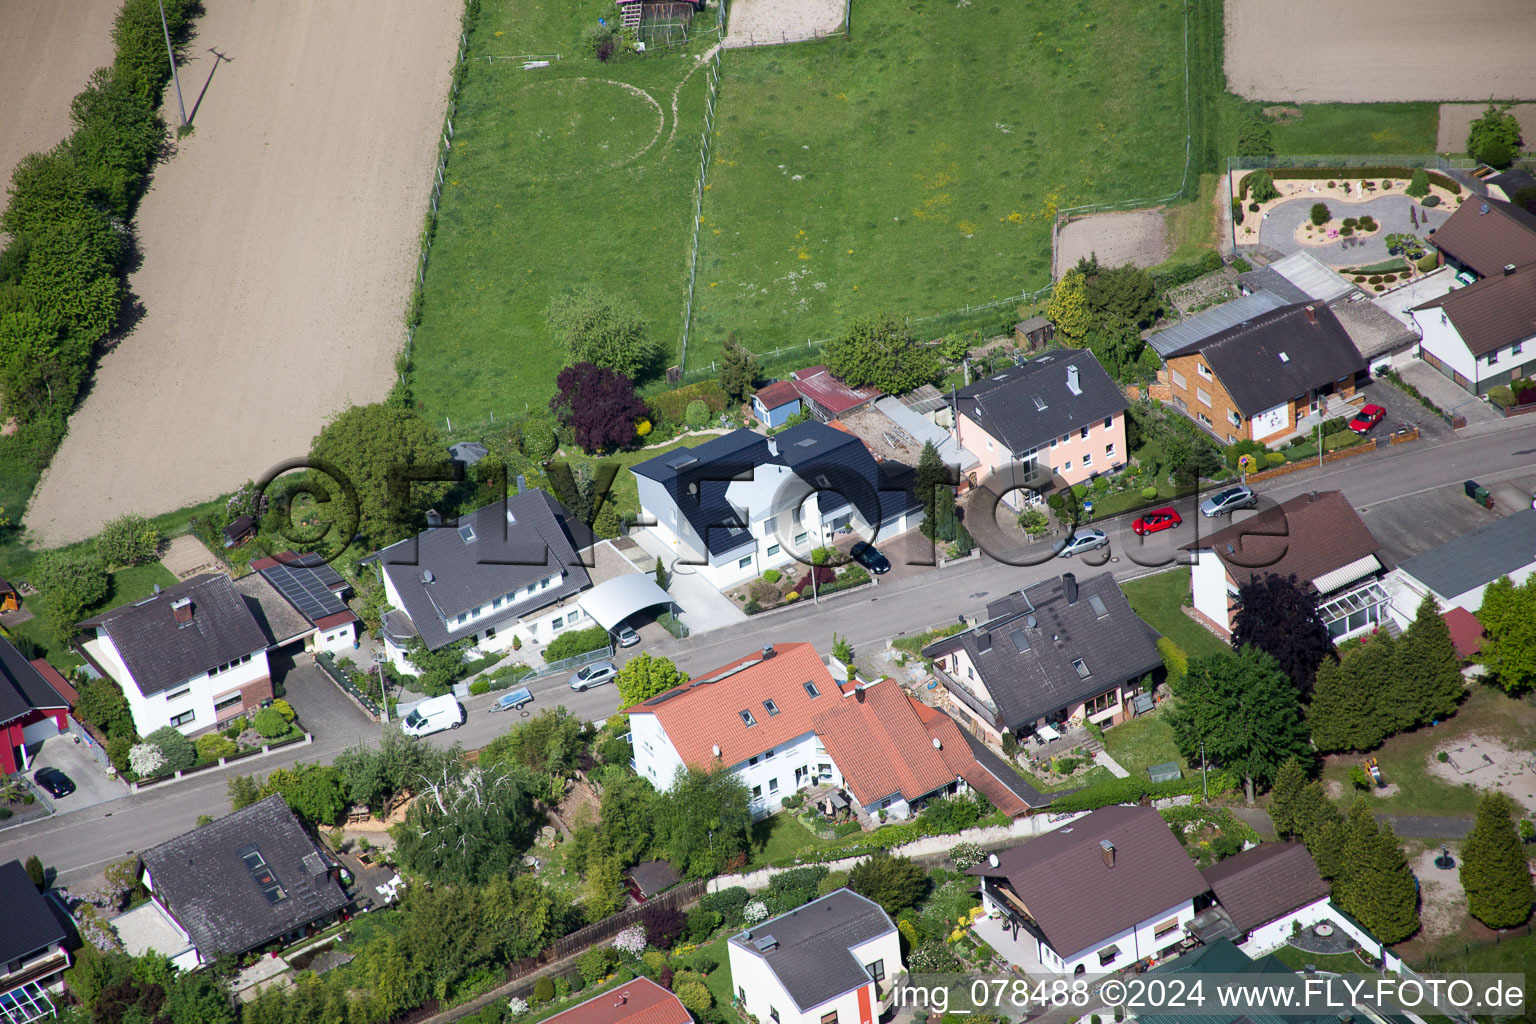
(696, 415)
(1319, 214)
(772, 576)
(1502, 395)
(1375, 279)
(176, 749)
(285, 709)
(1237, 211)
(1429, 261)
(1389, 278)
(269, 724)
(576, 641)
(1034, 522)
(479, 686)
(594, 964)
(1349, 222)
(702, 922)
(213, 745)
(539, 441)
(128, 540)
(1430, 201)
(1346, 232)
(1359, 278)
(543, 991)
(663, 924)
(1241, 265)
(672, 406)
(1149, 494)
(1274, 458)
(1175, 661)
(1172, 273)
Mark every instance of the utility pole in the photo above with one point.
(1321, 412)
(1205, 793)
(172, 55)
(379, 658)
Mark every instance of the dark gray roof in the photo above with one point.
(29, 923)
(1512, 181)
(1268, 279)
(483, 556)
(999, 769)
(1213, 321)
(1028, 405)
(1477, 558)
(203, 880)
(1247, 359)
(22, 687)
(1029, 670)
(653, 876)
(811, 956)
(1076, 898)
(161, 652)
(822, 456)
(1260, 885)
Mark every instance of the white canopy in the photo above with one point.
(613, 601)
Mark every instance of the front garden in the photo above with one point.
(777, 588)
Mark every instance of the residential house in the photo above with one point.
(1299, 277)
(826, 396)
(1112, 889)
(1033, 334)
(1261, 894)
(832, 961)
(774, 404)
(640, 1001)
(1483, 335)
(1060, 651)
(741, 504)
(1486, 235)
(31, 710)
(1316, 537)
(509, 570)
(1193, 330)
(248, 879)
(1221, 957)
(190, 656)
(300, 602)
(1458, 572)
(32, 954)
(1058, 416)
(1259, 380)
(781, 723)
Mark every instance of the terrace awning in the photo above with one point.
(1344, 575)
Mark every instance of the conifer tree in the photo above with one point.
(1377, 887)
(1321, 828)
(1493, 866)
(1427, 655)
(1285, 797)
(1344, 713)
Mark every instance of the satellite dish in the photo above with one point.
(936, 744)
(992, 859)
(716, 749)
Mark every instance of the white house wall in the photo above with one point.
(1208, 584)
(337, 639)
(1440, 339)
(656, 758)
(1269, 937)
(157, 710)
(1136, 942)
(763, 995)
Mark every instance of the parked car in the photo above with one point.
(1229, 500)
(595, 674)
(627, 636)
(870, 558)
(1082, 540)
(1157, 521)
(1366, 418)
(433, 715)
(54, 781)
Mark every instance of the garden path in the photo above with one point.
(1279, 228)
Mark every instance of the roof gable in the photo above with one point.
(29, 923)
(1028, 405)
(1491, 313)
(1308, 536)
(1487, 235)
(161, 651)
(1264, 883)
(22, 687)
(811, 953)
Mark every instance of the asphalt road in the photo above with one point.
(80, 843)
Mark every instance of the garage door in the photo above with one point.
(39, 731)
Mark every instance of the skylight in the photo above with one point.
(467, 534)
(1020, 641)
(1039, 403)
(1082, 669)
(810, 689)
(1097, 604)
(265, 880)
(746, 718)
(1284, 358)
(806, 442)
(771, 708)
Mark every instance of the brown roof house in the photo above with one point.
(1110, 889)
(1486, 235)
(1483, 335)
(1261, 894)
(1267, 378)
(1316, 537)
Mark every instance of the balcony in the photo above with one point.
(39, 965)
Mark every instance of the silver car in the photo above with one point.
(595, 674)
(1229, 500)
(1082, 540)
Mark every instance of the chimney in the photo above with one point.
(1509, 268)
(181, 609)
(768, 652)
(1069, 582)
(1107, 851)
(1072, 382)
(1311, 314)
(434, 517)
(522, 483)
(773, 447)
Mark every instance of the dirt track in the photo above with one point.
(1315, 51)
(279, 245)
(48, 49)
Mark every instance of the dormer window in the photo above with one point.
(1081, 667)
(746, 718)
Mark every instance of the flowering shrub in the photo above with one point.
(754, 912)
(145, 759)
(246, 502)
(631, 940)
(517, 1006)
(965, 855)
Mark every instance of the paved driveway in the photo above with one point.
(91, 783)
(1402, 410)
(323, 708)
(1279, 228)
(1445, 393)
(1412, 524)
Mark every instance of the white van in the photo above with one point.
(433, 715)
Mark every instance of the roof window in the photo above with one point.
(265, 880)
(771, 708)
(746, 718)
(467, 534)
(810, 689)
(1082, 669)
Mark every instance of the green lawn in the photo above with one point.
(1337, 963)
(1143, 741)
(625, 492)
(781, 835)
(718, 981)
(1408, 129)
(905, 170)
(127, 585)
(1158, 599)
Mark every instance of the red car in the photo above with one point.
(1156, 521)
(1369, 416)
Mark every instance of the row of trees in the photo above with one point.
(78, 580)
(1104, 309)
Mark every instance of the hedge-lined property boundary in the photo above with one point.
(1451, 185)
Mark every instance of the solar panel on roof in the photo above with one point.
(310, 590)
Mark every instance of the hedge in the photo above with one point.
(1121, 791)
(575, 642)
(1173, 273)
(1451, 185)
(670, 406)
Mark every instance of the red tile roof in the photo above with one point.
(881, 739)
(1466, 631)
(641, 1001)
(777, 394)
(58, 682)
(818, 385)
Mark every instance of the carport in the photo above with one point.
(612, 601)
